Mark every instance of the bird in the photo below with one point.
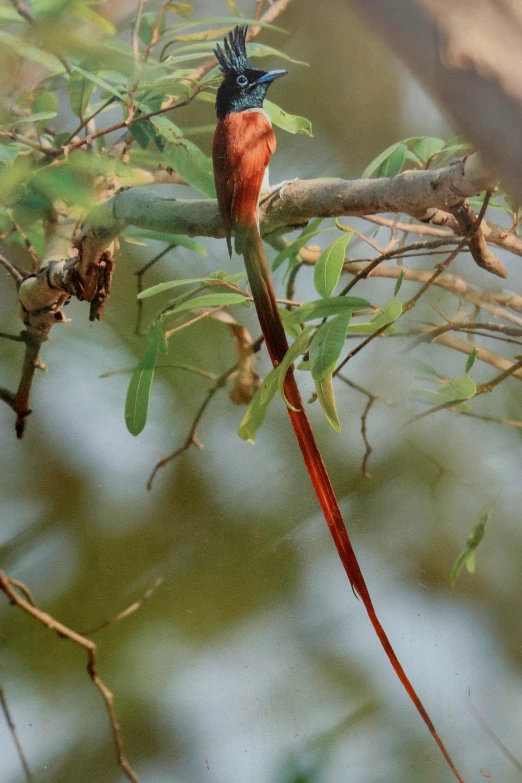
(243, 144)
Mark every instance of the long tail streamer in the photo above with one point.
(251, 246)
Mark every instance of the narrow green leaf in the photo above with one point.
(255, 49)
(394, 162)
(329, 265)
(98, 81)
(256, 411)
(398, 284)
(380, 159)
(294, 330)
(291, 123)
(180, 9)
(471, 359)
(233, 7)
(41, 115)
(326, 346)
(467, 556)
(326, 396)
(322, 308)
(368, 328)
(45, 103)
(80, 90)
(298, 347)
(388, 313)
(8, 154)
(171, 239)
(167, 286)
(24, 49)
(291, 252)
(425, 146)
(460, 388)
(207, 300)
(138, 394)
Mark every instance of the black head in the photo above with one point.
(243, 86)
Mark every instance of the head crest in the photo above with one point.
(234, 58)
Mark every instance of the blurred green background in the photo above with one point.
(253, 661)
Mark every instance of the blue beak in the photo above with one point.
(269, 77)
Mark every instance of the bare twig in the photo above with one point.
(191, 439)
(8, 587)
(125, 612)
(488, 731)
(372, 398)
(14, 735)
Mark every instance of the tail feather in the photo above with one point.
(249, 242)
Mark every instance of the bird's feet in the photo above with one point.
(277, 190)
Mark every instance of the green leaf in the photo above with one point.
(233, 7)
(326, 346)
(291, 252)
(171, 239)
(329, 265)
(388, 313)
(322, 308)
(185, 157)
(255, 49)
(398, 284)
(394, 162)
(24, 49)
(208, 300)
(228, 20)
(471, 359)
(294, 330)
(326, 396)
(80, 90)
(298, 347)
(291, 123)
(44, 103)
(98, 81)
(39, 116)
(181, 9)
(256, 411)
(424, 146)
(467, 556)
(138, 394)
(368, 328)
(8, 154)
(380, 159)
(167, 286)
(460, 388)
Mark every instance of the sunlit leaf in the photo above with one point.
(255, 49)
(181, 9)
(24, 49)
(288, 122)
(293, 329)
(326, 346)
(326, 396)
(172, 239)
(424, 146)
(329, 265)
(467, 556)
(38, 117)
(138, 394)
(322, 308)
(256, 411)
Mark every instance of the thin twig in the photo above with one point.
(191, 439)
(125, 612)
(488, 731)
(7, 586)
(12, 729)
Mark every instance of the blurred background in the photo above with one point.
(253, 661)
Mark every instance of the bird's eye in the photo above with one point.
(241, 80)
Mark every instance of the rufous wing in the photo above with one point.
(243, 144)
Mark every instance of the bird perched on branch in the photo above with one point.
(243, 143)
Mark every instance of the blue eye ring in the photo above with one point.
(242, 80)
